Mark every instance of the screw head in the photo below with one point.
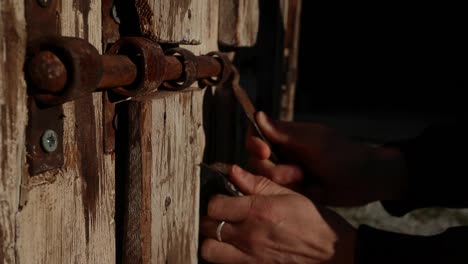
(44, 3)
(49, 141)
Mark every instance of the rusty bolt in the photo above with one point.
(47, 72)
(49, 141)
(133, 66)
(83, 69)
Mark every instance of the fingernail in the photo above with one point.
(237, 170)
(262, 114)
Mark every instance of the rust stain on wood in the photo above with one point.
(69, 215)
(137, 231)
(88, 156)
(84, 7)
(165, 148)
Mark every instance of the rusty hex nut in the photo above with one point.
(150, 61)
(190, 72)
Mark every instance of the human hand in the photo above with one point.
(272, 224)
(326, 166)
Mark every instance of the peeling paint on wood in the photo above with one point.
(171, 21)
(238, 22)
(13, 117)
(166, 146)
(69, 215)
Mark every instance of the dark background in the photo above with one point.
(381, 71)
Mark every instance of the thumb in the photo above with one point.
(250, 184)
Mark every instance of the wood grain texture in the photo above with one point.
(166, 136)
(238, 23)
(208, 28)
(13, 116)
(171, 21)
(291, 10)
(69, 214)
(220, 118)
(166, 146)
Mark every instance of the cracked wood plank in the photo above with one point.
(69, 214)
(13, 117)
(170, 21)
(167, 142)
(166, 146)
(238, 23)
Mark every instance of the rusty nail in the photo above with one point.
(49, 141)
(44, 3)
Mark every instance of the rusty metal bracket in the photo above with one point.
(44, 137)
(44, 132)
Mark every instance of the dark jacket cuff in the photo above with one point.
(437, 171)
(378, 246)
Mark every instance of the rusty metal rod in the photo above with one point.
(207, 66)
(49, 74)
(118, 70)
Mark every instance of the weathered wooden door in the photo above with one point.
(137, 202)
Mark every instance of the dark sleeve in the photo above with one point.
(437, 163)
(378, 246)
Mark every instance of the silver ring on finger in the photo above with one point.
(218, 231)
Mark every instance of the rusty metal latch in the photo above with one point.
(44, 132)
(62, 69)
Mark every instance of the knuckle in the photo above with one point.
(261, 184)
(267, 212)
(258, 208)
(214, 205)
(251, 207)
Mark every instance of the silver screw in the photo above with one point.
(49, 141)
(44, 3)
